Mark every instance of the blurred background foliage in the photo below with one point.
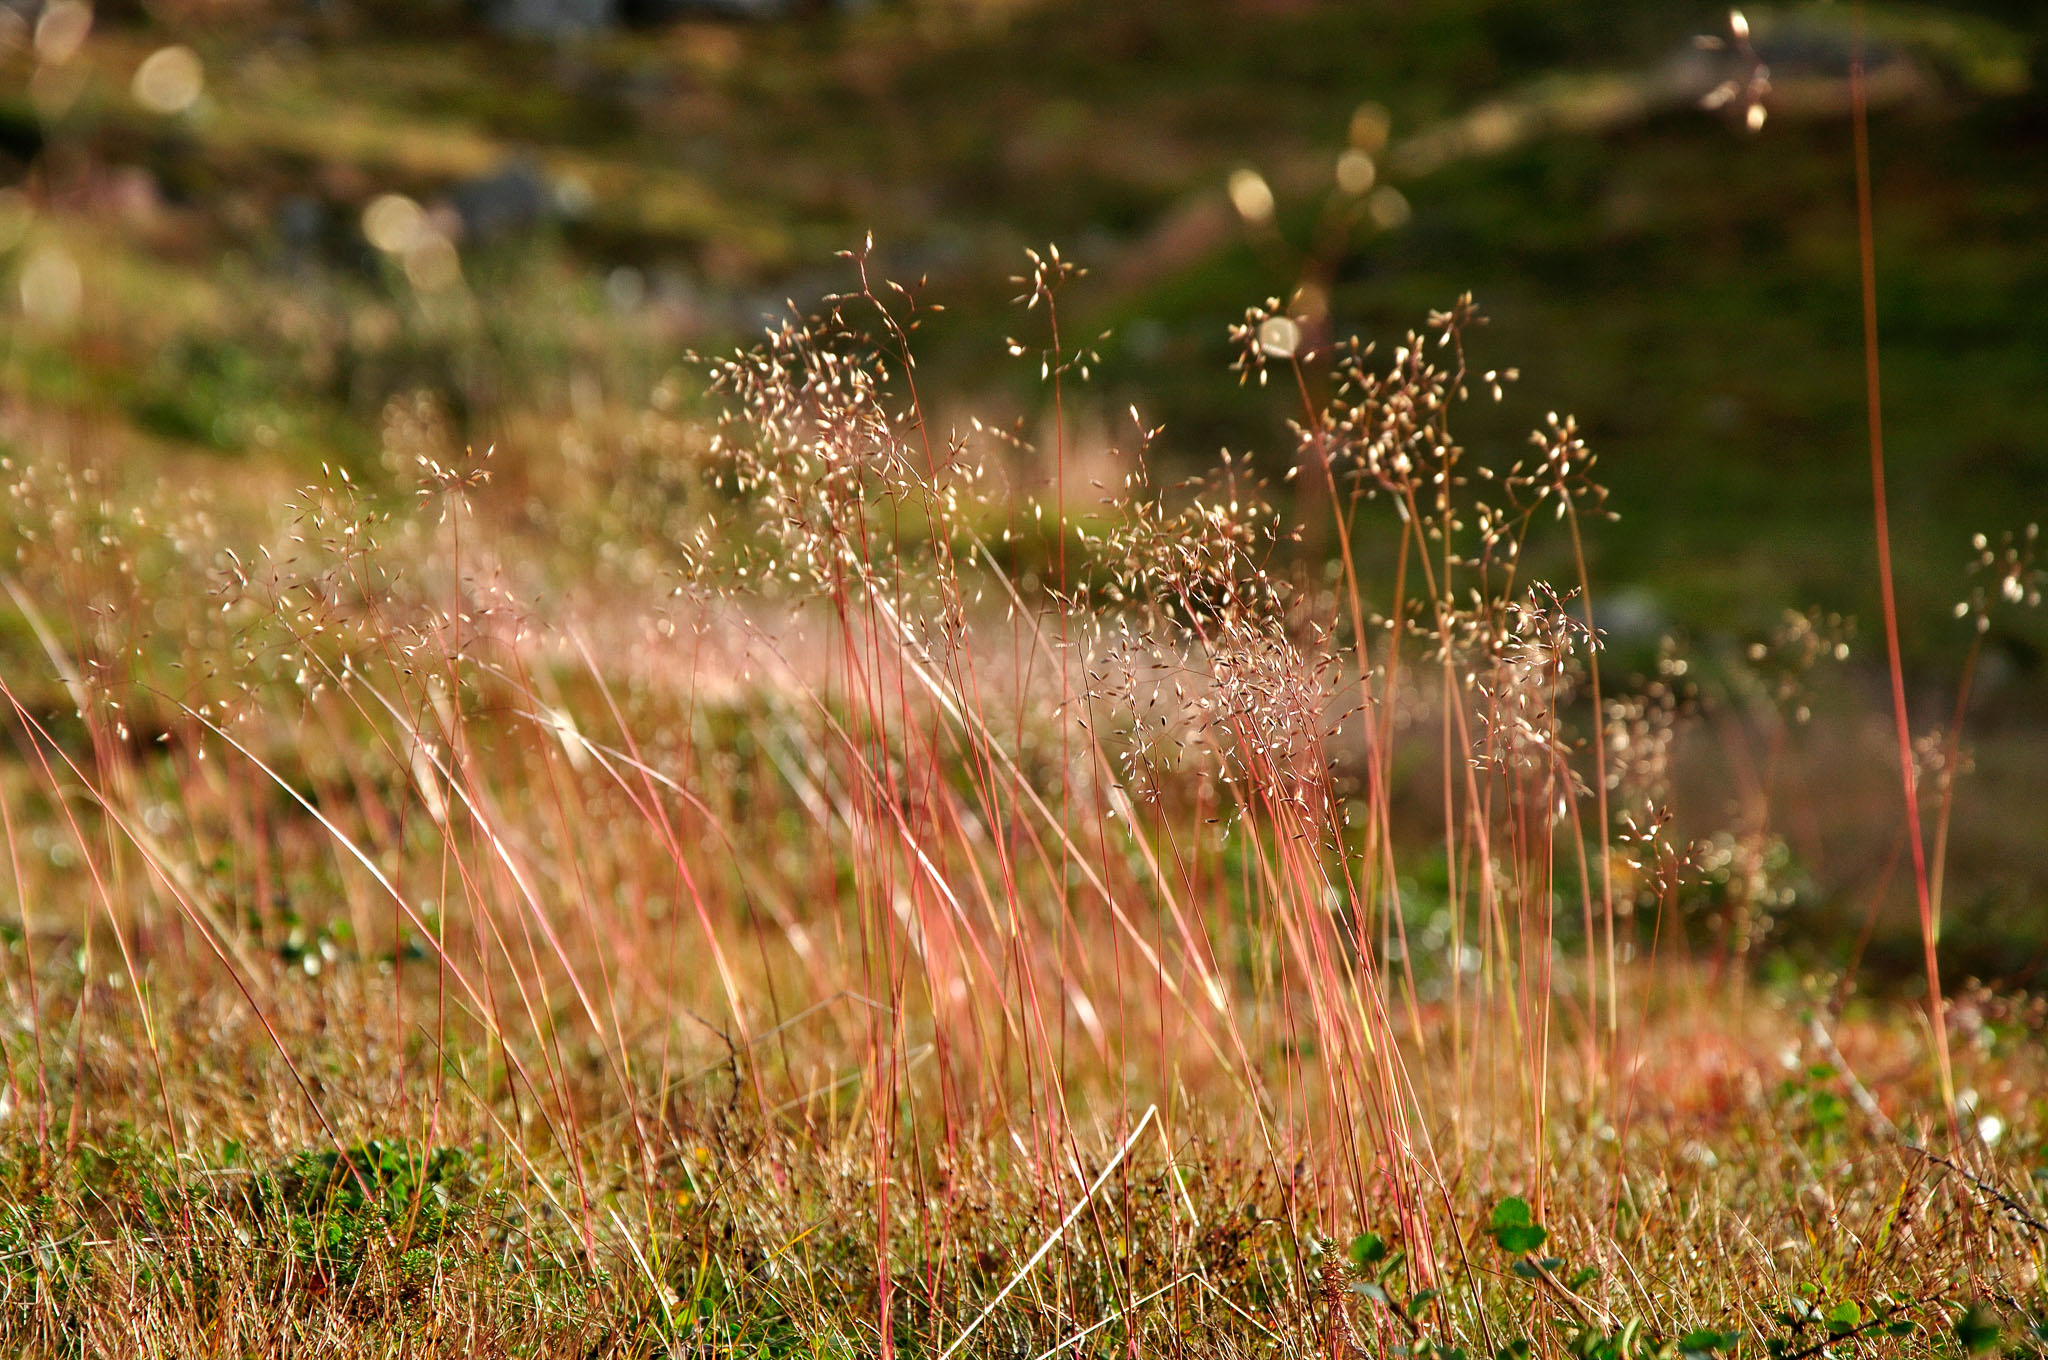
(241, 238)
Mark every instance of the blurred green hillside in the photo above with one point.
(597, 197)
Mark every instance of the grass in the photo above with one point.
(846, 943)
(806, 863)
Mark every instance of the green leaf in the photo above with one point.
(1844, 1317)
(1977, 1329)
(1514, 1228)
(1829, 1109)
(1367, 1248)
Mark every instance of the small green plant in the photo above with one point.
(1809, 1098)
(343, 1205)
(2016, 1331)
(1377, 1267)
(1809, 1325)
(39, 1252)
(1588, 1331)
(1583, 1330)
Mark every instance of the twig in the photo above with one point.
(2012, 1204)
(1588, 1313)
(1876, 1320)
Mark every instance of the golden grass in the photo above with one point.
(886, 919)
